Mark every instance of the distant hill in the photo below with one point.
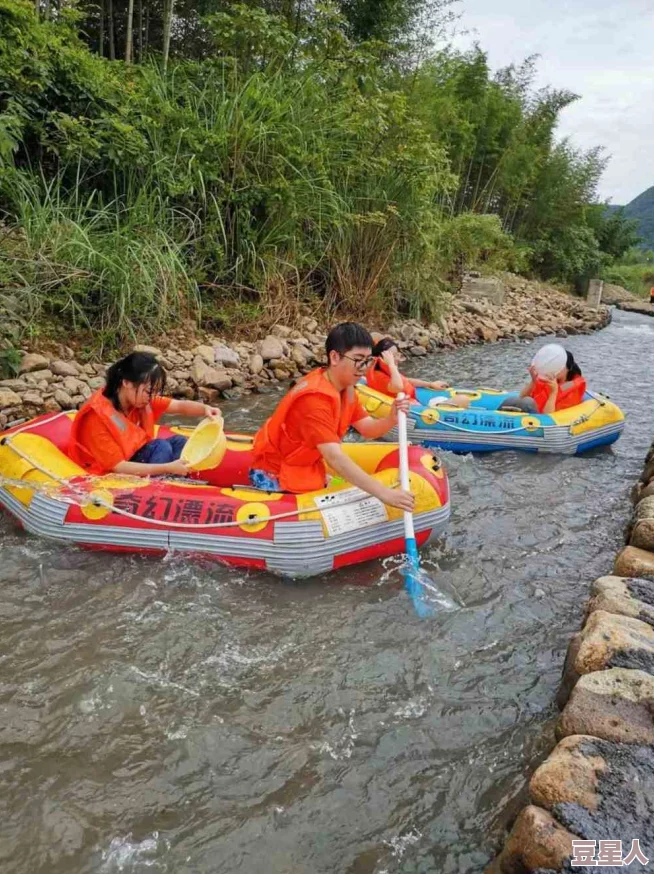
(642, 209)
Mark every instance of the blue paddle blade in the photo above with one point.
(415, 589)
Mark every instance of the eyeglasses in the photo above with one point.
(359, 363)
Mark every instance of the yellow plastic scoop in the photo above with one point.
(206, 446)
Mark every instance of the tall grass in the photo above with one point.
(118, 268)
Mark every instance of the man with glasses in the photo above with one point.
(303, 435)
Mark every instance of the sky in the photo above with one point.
(602, 50)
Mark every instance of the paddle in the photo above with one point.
(414, 586)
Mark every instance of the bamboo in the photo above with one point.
(167, 27)
(101, 36)
(140, 31)
(129, 40)
(112, 41)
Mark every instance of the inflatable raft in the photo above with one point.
(218, 516)
(483, 428)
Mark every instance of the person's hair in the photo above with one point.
(137, 367)
(346, 336)
(383, 346)
(571, 366)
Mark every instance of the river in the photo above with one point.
(176, 716)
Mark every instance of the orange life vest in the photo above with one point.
(298, 467)
(570, 394)
(378, 377)
(127, 434)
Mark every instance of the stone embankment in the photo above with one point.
(597, 786)
(513, 309)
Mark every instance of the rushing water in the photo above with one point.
(175, 716)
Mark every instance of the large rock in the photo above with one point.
(224, 355)
(625, 596)
(8, 398)
(14, 384)
(271, 347)
(537, 842)
(37, 376)
(282, 331)
(151, 350)
(634, 562)
(32, 361)
(485, 288)
(203, 374)
(569, 774)
(73, 386)
(256, 364)
(64, 400)
(206, 353)
(600, 790)
(616, 705)
(32, 399)
(64, 368)
(610, 641)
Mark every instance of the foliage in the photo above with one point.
(277, 157)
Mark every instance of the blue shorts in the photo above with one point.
(264, 481)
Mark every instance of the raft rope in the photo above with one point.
(96, 501)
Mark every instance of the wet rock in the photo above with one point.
(256, 364)
(624, 596)
(634, 562)
(8, 398)
(271, 348)
(615, 705)
(610, 641)
(418, 351)
(64, 368)
(569, 775)
(224, 355)
(32, 361)
(63, 399)
(600, 790)
(208, 395)
(537, 842)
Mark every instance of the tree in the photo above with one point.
(167, 28)
(130, 32)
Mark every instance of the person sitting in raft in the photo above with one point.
(384, 375)
(548, 394)
(114, 429)
(293, 448)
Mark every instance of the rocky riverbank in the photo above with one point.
(49, 381)
(597, 786)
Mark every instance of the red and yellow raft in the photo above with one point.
(217, 514)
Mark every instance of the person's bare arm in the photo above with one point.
(192, 408)
(335, 457)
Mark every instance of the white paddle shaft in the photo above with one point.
(404, 467)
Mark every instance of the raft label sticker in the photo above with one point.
(185, 511)
(340, 516)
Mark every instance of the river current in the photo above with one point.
(171, 715)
